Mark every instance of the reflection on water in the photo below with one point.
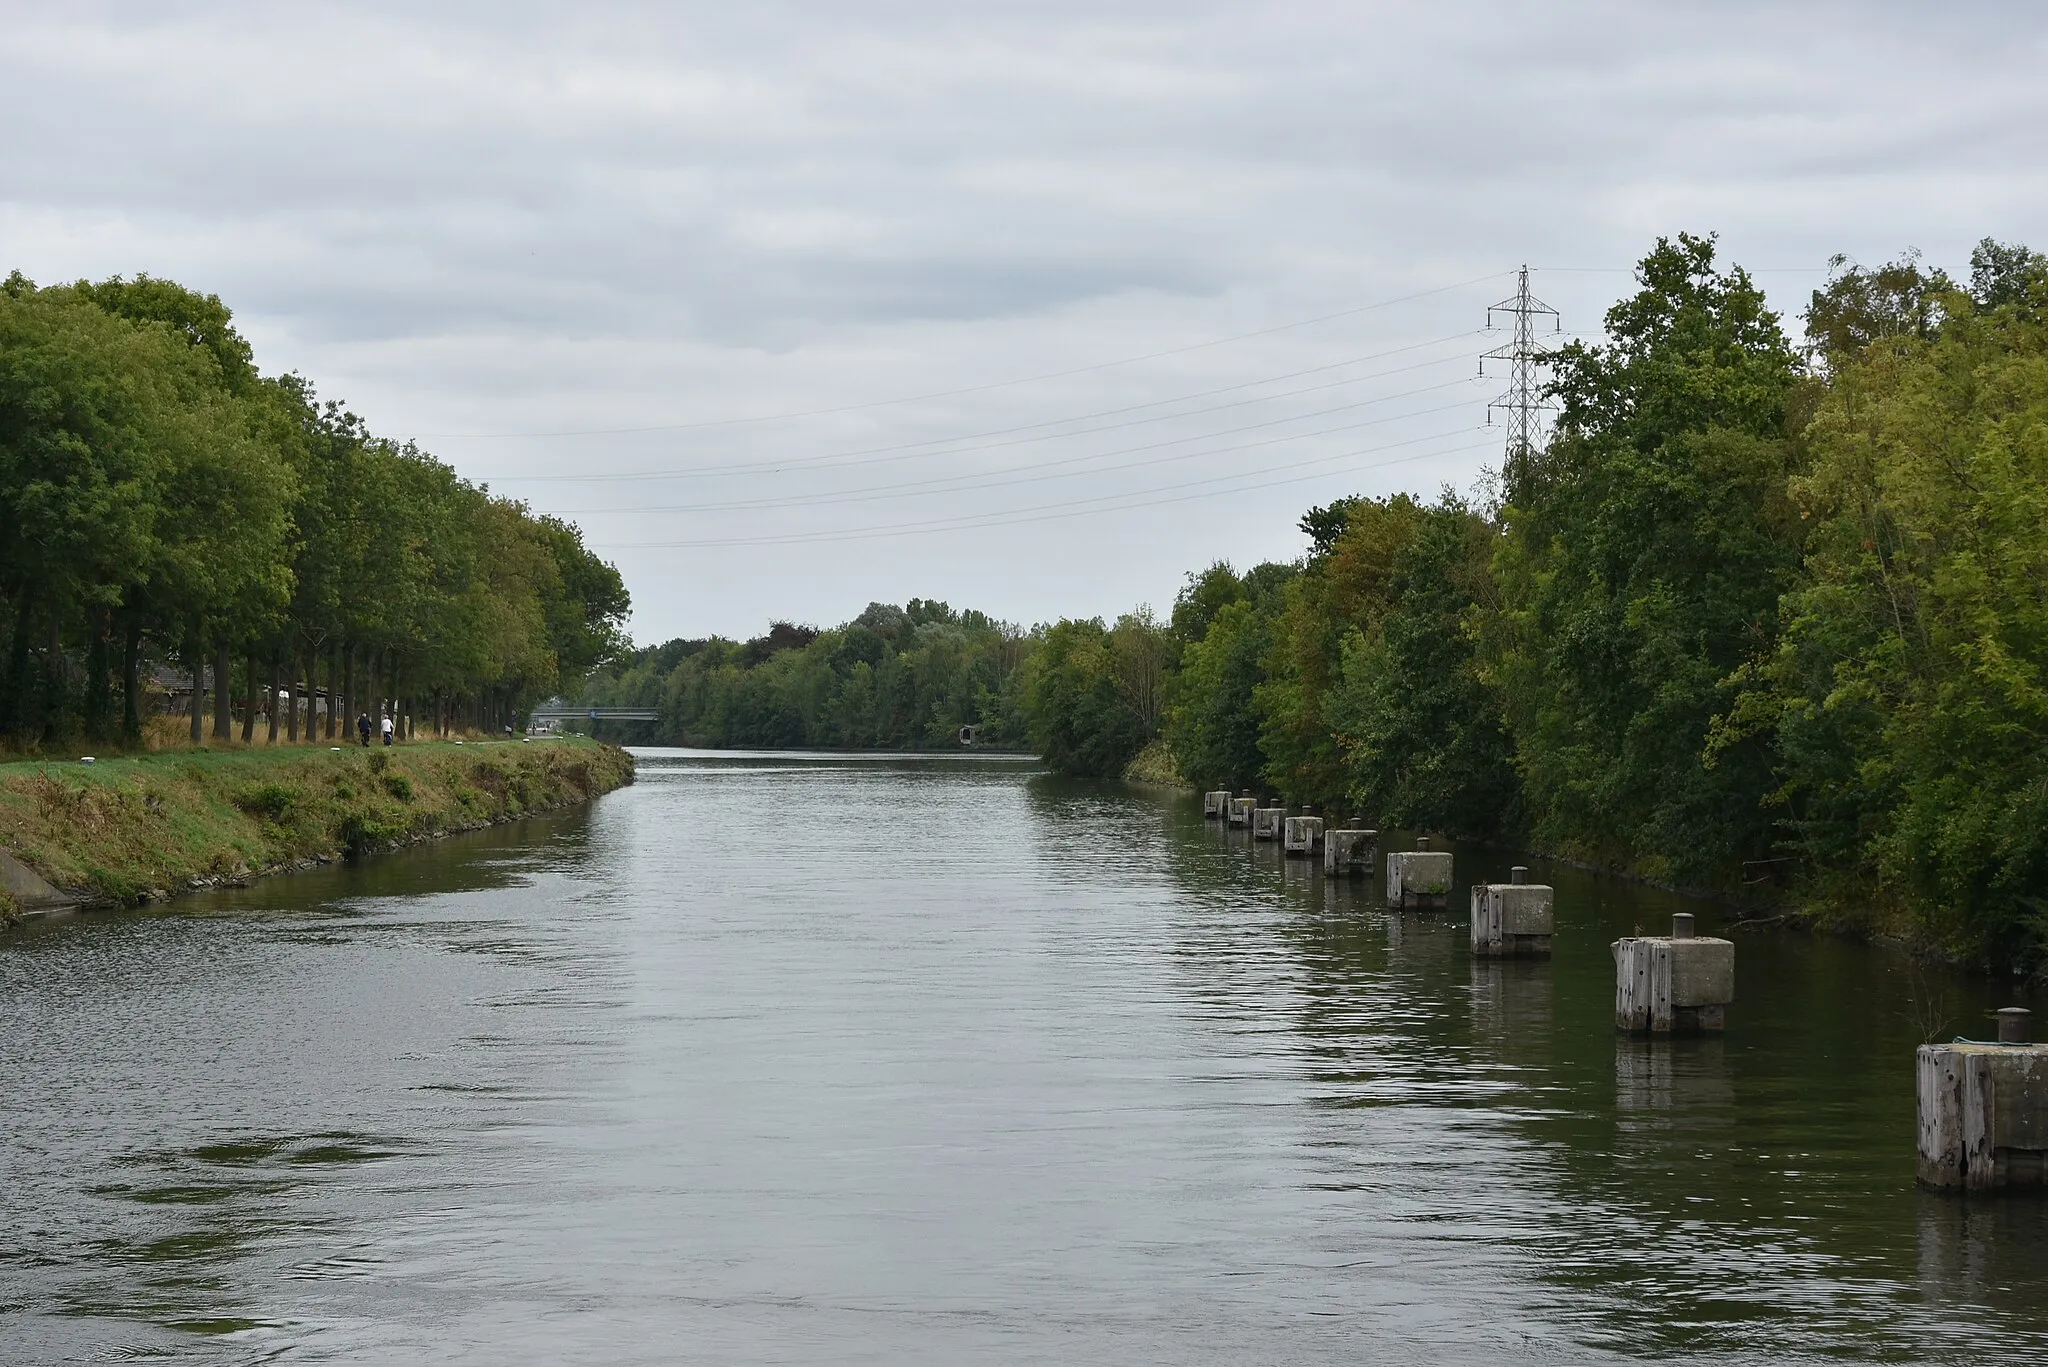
(861, 1059)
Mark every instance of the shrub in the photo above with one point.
(274, 802)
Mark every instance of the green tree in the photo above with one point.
(1642, 568)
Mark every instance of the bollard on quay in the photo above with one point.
(1347, 852)
(1420, 878)
(1512, 919)
(1676, 984)
(1983, 1111)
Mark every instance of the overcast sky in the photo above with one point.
(1029, 307)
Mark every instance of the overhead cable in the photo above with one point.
(911, 450)
(969, 389)
(1260, 478)
(954, 484)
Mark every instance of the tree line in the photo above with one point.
(1762, 615)
(897, 678)
(162, 501)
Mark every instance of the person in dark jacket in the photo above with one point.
(363, 728)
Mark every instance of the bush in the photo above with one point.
(274, 802)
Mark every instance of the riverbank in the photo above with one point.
(125, 831)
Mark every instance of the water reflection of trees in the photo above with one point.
(1749, 1193)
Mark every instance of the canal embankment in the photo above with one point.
(125, 831)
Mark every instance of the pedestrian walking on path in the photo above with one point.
(387, 728)
(363, 728)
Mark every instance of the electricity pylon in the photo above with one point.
(1523, 402)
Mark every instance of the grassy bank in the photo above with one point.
(138, 829)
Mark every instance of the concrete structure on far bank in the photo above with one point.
(1216, 805)
(1241, 809)
(1984, 1111)
(1267, 822)
(1512, 919)
(1419, 879)
(1676, 984)
(29, 892)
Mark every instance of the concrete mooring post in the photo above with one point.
(1241, 809)
(1678, 984)
(1420, 878)
(1984, 1111)
(1512, 919)
(1348, 853)
(1303, 833)
(1216, 805)
(1267, 822)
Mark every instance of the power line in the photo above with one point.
(969, 522)
(962, 484)
(969, 389)
(913, 449)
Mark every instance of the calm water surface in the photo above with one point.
(773, 1059)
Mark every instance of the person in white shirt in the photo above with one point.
(387, 728)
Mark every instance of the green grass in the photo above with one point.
(127, 829)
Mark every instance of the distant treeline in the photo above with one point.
(1760, 616)
(897, 678)
(163, 501)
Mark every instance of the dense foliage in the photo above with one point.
(161, 500)
(900, 678)
(1759, 617)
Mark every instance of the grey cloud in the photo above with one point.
(533, 217)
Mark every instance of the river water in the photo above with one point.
(783, 1059)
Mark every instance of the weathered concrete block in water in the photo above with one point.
(1348, 853)
(1302, 835)
(1216, 805)
(1676, 984)
(1241, 809)
(1983, 1116)
(1419, 878)
(1512, 919)
(1267, 822)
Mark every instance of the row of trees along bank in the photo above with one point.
(160, 499)
(898, 678)
(1761, 616)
